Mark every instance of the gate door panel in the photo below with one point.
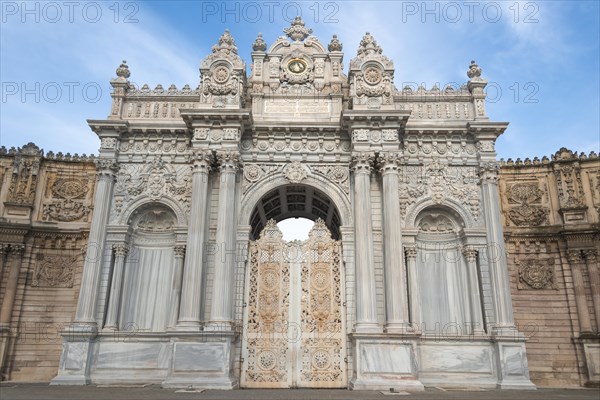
(294, 320)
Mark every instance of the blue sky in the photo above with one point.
(541, 57)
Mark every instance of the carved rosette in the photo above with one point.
(536, 274)
(228, 161)
(388, 162)
(295, 172)
(362, 162)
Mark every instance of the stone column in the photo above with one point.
(413, 287)
(591, 260)
(3, 250)
(396, 299)
(221, 306)
(474, 294)
(112, 316)
(576, 263)
(496, 252)
(14, 261)
(366, 308)
(179, 253)
(191, 292)
(8, 300)
(92, 266)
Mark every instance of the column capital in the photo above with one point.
(470, 253)
(16, 249)
(411, 251)
(203, 160)
(362, 162)
(488, 172)
(229, 160)
(388, 162)
(106, 167)
(179, 251)
(574, 256)
(120, 249)
(590, 256)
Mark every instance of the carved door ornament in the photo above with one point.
(294, 321)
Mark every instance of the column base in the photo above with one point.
(400, 328)
(74, 361)
(367, 327)
(513, 370)
(383, 362)
(203, 363)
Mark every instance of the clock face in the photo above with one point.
(296, 66)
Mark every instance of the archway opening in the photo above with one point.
(295, 201)
(296, 228)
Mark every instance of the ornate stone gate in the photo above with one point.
(186, 177)
(294, 322)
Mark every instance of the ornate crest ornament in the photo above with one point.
(295, 172)
(297, 31)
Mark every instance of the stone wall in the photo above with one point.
(45, 214)
(550, 211)
(551, 227)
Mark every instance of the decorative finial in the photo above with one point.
(123, 70)
(226, 44)
(259, 44)
(335, 44)
(297, 31)
(368, 45)
(474, 72)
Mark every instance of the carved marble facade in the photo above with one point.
(186, 267)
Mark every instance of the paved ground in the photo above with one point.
(10, 391)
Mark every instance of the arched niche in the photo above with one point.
(148, 275)
(445, 279)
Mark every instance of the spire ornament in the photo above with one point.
(474, 72)
(335, 44)
(259, 44)
(123, 70)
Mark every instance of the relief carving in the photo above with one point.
(440, 182)
(54, 271)
(536, 274)
(527, 214)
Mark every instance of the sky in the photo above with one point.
(541, 58)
